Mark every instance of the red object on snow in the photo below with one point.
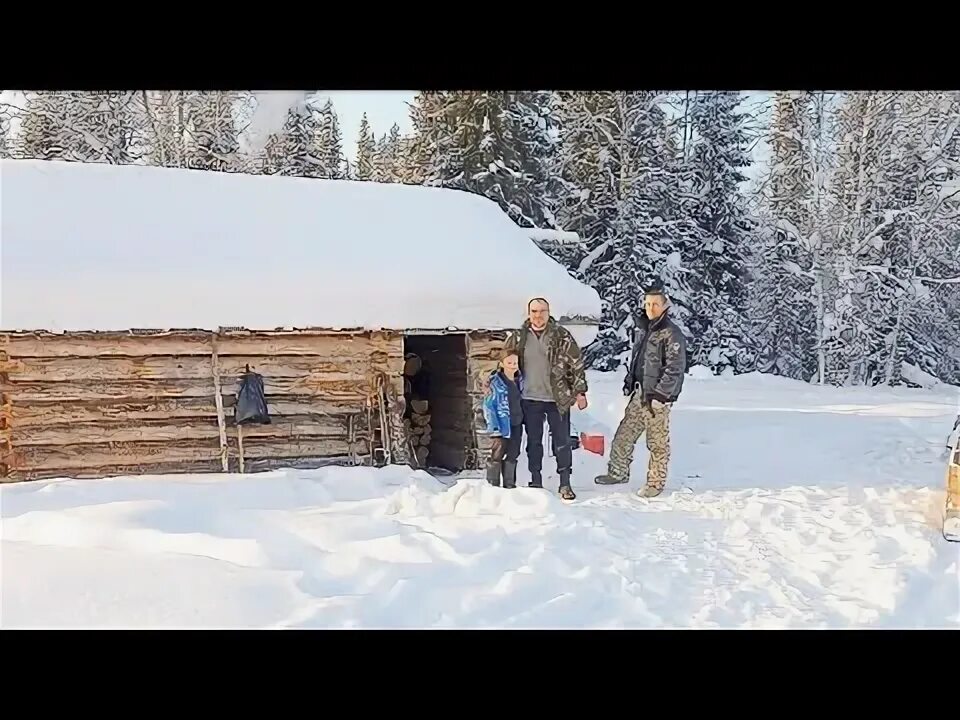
(592, 443)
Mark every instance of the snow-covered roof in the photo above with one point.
(105, 247)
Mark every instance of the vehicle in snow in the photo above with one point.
(951, 519)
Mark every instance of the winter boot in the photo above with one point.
(509, 474)
(649, 491)
(493, 472)
(536, 481)
(567, 494)
(610, 480)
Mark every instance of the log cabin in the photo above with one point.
(135, 298)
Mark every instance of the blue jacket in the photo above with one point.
(496, 404)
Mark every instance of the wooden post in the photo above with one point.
(240, 445)
(221, 421)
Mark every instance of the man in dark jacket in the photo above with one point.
(653, 383)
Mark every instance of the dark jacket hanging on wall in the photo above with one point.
(251, 407)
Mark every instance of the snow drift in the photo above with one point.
(787, 506)
(104, 247)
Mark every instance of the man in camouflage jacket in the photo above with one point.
(554, 381)
(653, 382)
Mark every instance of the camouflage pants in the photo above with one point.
(636, 420)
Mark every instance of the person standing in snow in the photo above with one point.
(503, 411)
(554, 380)
(653, 383)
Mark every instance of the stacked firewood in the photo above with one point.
(419, 430)
(417, 421)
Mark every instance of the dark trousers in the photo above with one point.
(508, 448)
(503, 458)
(534, 413)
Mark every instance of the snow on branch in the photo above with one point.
(940, 281)
(561, 237)
(594, 254)
(888, 217)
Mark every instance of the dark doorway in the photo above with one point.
(439, 414)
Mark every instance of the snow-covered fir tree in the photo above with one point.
(390, 157)
(366, 148)
(492, 144)
(718, 324)
(406, 169)
(531, 119)
(5, 143)
(428, 118)
(619, 183)
(297, 150)
(782, 308)
(212, 134)
(380, 172)
(104, 127)
(893, 226)
(333, 164)
(387, 157)
(166, 120)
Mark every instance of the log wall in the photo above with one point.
(97, 404)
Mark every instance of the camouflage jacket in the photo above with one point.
(568, 377)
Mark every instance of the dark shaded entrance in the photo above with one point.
(440, 381)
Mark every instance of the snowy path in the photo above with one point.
(792, 507)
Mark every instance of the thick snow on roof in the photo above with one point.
(103, 247)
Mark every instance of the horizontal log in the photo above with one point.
(42, 414)
(210, 467)
(389, 349)
(146, 389)
(492, 352)
(36, 458)
(263, 448)
(184, 368)
(163, 431)
(476, 337)
(85, 472)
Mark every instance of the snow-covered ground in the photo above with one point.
(789, 506)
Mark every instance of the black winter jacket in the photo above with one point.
(658, 361)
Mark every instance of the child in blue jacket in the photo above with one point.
(503, 412)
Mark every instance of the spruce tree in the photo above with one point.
(106, 127)
(366, 147)
(493, 144)
(296, 150)
(211, 132)
(332, 163)
(619, 182)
